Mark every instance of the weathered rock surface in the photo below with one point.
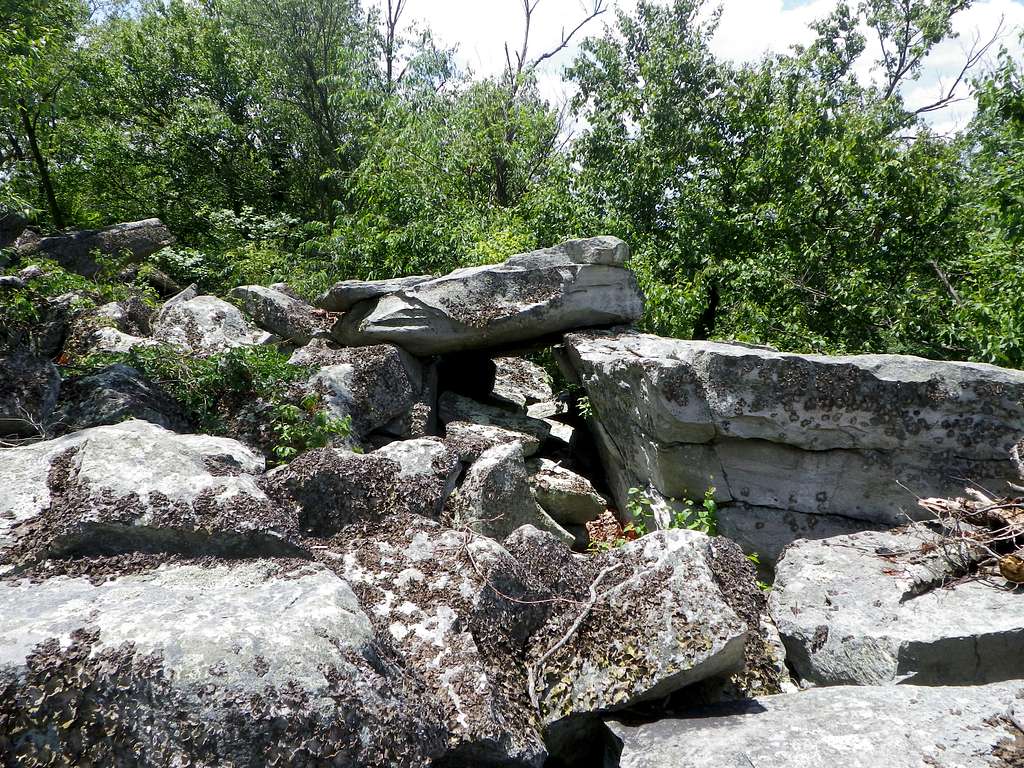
(519, 382)
(113, 395)
(205, 325)
(852, 436)
(341, 297)
(885, 607)
(113, 341)
(330, 488)
(282, 315)
(457, 408)
(495, 497)
(470, 440)
(136, 487)
(75, 251)
(29, 387)
(578, 284)
(256, 663)
(569, 498)
(853, 727)
(373, 385)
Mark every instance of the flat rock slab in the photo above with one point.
(453, 407)
(519, 382)
(341, 297)
(871, 608)
(470, 440)
(135, 486)
(853, 436)
(578, 284)
(853, 727)
(249, 663)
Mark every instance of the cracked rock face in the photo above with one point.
(135, 486)
(890, 607)
(861, 727)
(29, 387)
(850, 436)
(181, 666)
(578, 284)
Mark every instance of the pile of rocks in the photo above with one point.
(424, 591)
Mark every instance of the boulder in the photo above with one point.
(341, 297)
(112, 341)
(854, 727)
(330, 488)
(891, 607)
(579, 284)
(495, 497)
(470, 440)
(11, 226)
(455, 609)
(113, 395)
(205, 325)
(76, 251)
(284, 316)
(519, 382)
(455, 408)
(569, 498)
(229, 664)
(29, 387)
(852, 436)
(135, 486)
(373, 385)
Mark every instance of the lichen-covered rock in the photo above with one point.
(495, 497)
(855, 727)
(579, 284)
(205, 325)
(874, 608)
(76, 251)
(29, 387)
(229, 664)
(470, 440)
(569, 498)
(459, 616)
(519, 382)
(852, 436)
(341, 297)
(330, 488)
(135, 486)
(453, 407)
(282, 315)
(372, 385)
(113, 395)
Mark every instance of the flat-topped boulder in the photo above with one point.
(579, 284)
(854, 436)
(895, 607)
(341, 297)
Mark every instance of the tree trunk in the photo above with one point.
(41, 166)
(705, 324)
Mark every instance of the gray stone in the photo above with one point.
(29, 387)
(11, 283)
(519, 382)
(285, 316)
(76, 251)
(205, 325)
(885, 607)
(853, 727)
(577, 284)
(113, 395)
(453, 407)
(330, 488)
(341, 297)
(135, 486)
(569, 498)
(251, 663)
(373, 385)
(111, 340)
(495, 497)
(851, 436)
(470, 440)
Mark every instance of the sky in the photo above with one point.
(748, 29)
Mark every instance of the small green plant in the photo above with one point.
(586, 409)
(703, 518)
(303, 427)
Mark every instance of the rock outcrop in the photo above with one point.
(892, 607)
(205, 325)
(284, 316)
(76, 251)
(578, 284)
(113, 395)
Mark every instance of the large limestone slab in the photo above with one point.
(891, 607)
(253, 663)
(341, 297)
(136, 486)
(853, 727)
(852, 436)
(578, 284)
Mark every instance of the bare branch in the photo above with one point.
(976, 54)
